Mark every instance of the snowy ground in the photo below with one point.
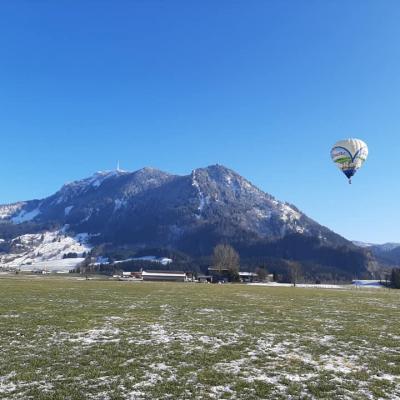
(356, 284)
(64, 265)
(300, 285)
(111, 340)
(160, 260)
(34, 251)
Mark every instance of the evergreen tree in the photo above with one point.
(395, 278)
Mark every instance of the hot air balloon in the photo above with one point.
(349, 155)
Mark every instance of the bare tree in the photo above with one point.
(225, 257)
(295, 271)
(261, 273)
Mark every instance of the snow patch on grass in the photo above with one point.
(6, 385)
(106, 334)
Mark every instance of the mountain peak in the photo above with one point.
(150, 173)
(96, 179)
(150, 170)
(220, 174)
(222, 169)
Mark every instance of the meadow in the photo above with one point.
(63, 338)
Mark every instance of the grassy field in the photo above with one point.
(70, 339)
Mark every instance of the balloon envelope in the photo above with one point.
(349, 155)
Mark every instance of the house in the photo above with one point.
(129, 276)
(204, 278)
(174, 276)
(248, 276)
(223, 275)
(219, 275)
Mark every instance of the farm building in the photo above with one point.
(248, 276)
(218, 275)
(176, 276)
(204, 278)
(129, 276)
(136, 275)
(223, 275)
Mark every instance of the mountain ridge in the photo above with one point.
(150, 208)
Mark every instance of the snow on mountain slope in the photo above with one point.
(67, 210)
(362, 244)
(25, 216)
(8, 210)
(76, 188)
(159, 260)
(60, 266)
(203, 200)
(31, 249)
(223, 191)
(100, 176)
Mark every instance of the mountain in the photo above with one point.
(152, 209)
(387, 253)
(363, 245)
(385, 247)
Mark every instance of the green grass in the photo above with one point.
(70, 339)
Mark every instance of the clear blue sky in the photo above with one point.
(264, 87)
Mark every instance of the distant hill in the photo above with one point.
(388, 253)
(189, 215)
